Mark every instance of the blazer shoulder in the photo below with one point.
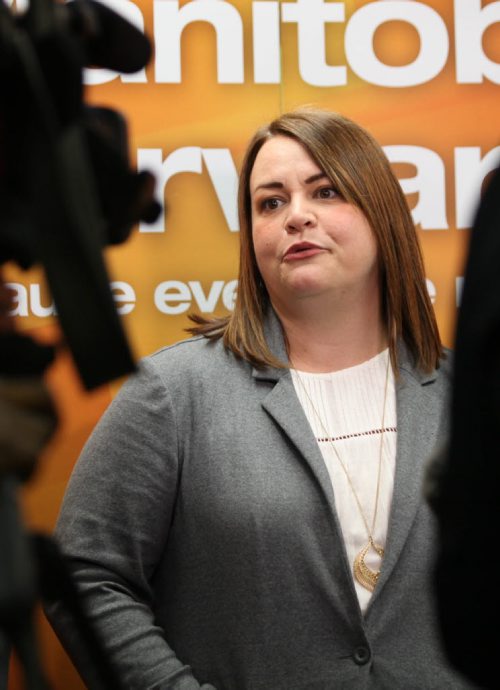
(445, 367)
(196, 359)
(442, 372)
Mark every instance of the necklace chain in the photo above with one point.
(364, 575)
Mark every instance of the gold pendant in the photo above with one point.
(366, 577)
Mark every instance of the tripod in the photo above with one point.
(32, 568)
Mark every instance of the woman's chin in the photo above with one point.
(304, 288)
(305, 280)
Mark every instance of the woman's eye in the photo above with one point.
(327, 193)
(270, 204)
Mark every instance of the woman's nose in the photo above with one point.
(300, 216)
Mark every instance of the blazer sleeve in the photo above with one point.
(112, 530)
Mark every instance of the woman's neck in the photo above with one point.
(322, 339)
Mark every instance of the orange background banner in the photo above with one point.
(422, 77)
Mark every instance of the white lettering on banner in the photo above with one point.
(206, 304)
(470, 171)
(175, 297)
(170, 21)
(133, 14)
(433, 36)
(172, 291)
(429, 182)
(471, 21)
(25, 299)
(431, 289)
(310, 16)
(266, 43)
(224, 177)
(185, 159)
(123, 295)
(171, 297)
(229, 294)
(221, 170)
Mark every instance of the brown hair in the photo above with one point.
(361, 173)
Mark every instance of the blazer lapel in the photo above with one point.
(283, 406)
(418, 420)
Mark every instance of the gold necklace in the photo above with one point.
(366, 577)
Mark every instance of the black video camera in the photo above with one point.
(66, 189)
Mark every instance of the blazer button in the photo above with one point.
(361, 656)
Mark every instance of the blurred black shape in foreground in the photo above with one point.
(66, 191)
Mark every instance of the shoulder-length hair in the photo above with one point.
(358, 168)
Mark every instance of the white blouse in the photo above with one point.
(346, 412)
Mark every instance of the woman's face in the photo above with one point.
(308, 240)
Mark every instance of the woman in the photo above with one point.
(242, 516)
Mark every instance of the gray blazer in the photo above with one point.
(200, 524)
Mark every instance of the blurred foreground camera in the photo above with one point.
(66, 191)
(66, 188)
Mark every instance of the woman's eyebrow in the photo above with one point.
(269, 185)
(279, 185)
(316, 177)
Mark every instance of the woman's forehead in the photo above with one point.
(280, 158)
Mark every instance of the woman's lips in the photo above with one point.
(302, 251)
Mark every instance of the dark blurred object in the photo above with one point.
(66, 189)
(464, 482)
(25, 406)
